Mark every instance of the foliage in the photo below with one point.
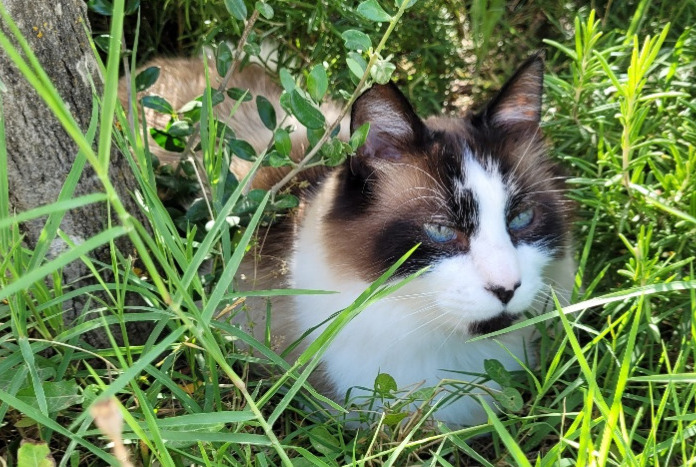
(617, 368)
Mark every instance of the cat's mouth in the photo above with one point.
(493, 324)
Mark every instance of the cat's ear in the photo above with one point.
(394, 126)
(519, 100)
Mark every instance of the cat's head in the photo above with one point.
(478, 193)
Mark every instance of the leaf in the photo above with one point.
(333, 152)
(357, 64)
(103, 7)
(239, 94)
(371, 10)
(252, 49)
(356, 40)
(275, 159)
(242, 149)
(385, 384)
(103, 41)
(286, 201)
(509, 398)
(266, 112)
(223, 58)
(158, 104)
(180, 128)
(146, 78)
(216, 97)
(393, 419)
(382, 71)
(305, 111)
(237, 9)
(317, 83)
(131, 7)
(264, 9)
(323, 441)
(359, 136)
(282, 142)
(497, 372)
(397, 3)
(59, 395)
(355, 68)
(286, 80)
(34, 455)
(167, 141)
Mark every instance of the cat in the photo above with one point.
(478, 194)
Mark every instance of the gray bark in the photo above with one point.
(40, 152)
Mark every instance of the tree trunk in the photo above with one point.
(40, 152)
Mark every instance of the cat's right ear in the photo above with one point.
(394, 126)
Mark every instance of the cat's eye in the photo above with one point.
(440, 233)
(522, 220)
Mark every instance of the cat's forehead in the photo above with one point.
(460, 151)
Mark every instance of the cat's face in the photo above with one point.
(478, 194)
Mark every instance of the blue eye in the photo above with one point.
(440, 233)
(522, 219)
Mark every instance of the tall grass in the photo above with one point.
(616, 379)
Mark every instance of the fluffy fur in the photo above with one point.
(478, 193)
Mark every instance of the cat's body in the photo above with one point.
(485, 203)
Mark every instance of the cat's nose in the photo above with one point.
(504, 294)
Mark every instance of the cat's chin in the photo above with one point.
(496, 323)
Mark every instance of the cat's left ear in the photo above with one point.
(519, 100)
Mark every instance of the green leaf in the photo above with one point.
(397, 3)
(239, 94)
(158, 104)
(102, 41)
(333, 152)
(275, 159)
(385, 384)
(359, 136)
(146, 78)
(317, 83)
(223, 58)
(180, 128)
(266, 112)
(252, 49)
(372, 11)
(356, 40)
(497, 372)
(355, 68)
(286, 80)
(393, 419)
(323, 441)
(242, 149)
(167, 141)
(382, 71)
(103, 7)
(305, 111)
(509, 398)
(131, 7)
(216, 97)
(286, 201)
(264, 9)
(237, 9)
(282, 142)
(34, 455)
(59, 395)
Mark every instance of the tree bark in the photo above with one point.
(40, 152)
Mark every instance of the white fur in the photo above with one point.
(419, 334)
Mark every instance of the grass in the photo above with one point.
(616, 379)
